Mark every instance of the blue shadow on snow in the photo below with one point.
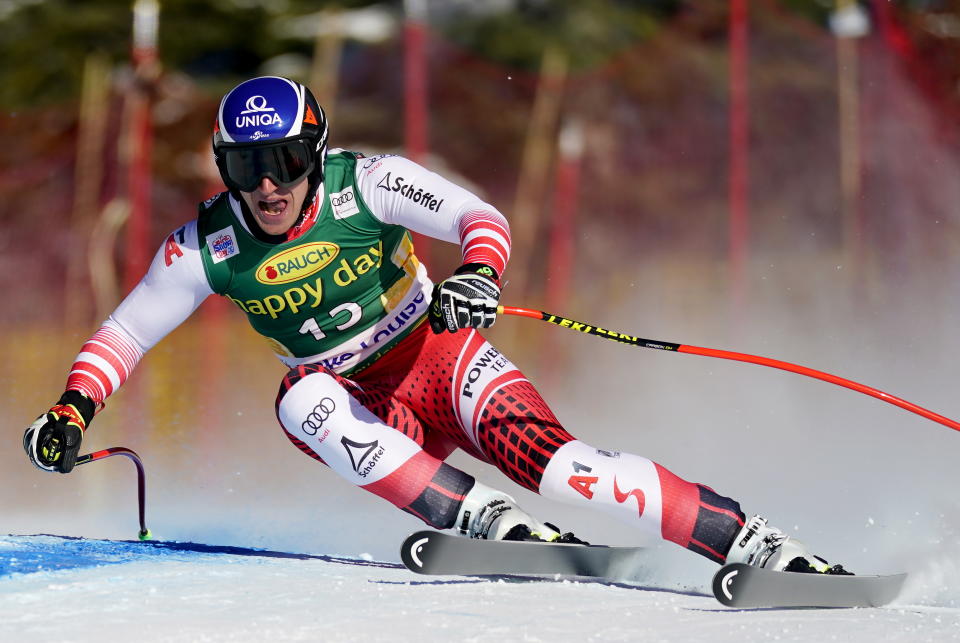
(44, 552)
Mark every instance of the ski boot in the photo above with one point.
(489, 514)
(762, 546)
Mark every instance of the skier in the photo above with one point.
(387, 372)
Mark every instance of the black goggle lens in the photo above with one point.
(285, 165)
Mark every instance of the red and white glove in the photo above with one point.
(468, 299)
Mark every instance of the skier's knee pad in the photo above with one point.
(646, 495)
(625, 485)
(316, 408)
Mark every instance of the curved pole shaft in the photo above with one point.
(141, 479)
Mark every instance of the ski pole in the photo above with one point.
(141, 479)
(624, 338)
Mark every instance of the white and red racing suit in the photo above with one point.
(386, 420)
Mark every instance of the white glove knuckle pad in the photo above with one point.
(30, 438)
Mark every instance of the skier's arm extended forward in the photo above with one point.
(172, 289)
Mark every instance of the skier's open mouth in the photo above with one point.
(272, 208)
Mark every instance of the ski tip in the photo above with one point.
(743, 586)
(725, 583)
(411, 551)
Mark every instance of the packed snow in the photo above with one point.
(87, 590)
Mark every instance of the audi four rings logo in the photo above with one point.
(318, 416)
(343, 198)
(257, 104)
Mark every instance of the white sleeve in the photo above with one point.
(174, 286)
(172, 289)
(401, 192)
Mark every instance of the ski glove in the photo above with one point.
(468, 299)
(53, 441)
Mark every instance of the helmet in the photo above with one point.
(270, 126)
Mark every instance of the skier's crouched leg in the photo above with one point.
(323, 417)
(646, 495)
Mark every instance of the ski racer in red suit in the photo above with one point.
(387, 372)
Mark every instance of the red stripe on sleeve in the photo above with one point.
(485, 238)
(90, 379)
(108, 355)
(114, 348)
(88, 386)
(128, 352)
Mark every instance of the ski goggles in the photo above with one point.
(286, 164)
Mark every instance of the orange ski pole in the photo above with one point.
(625, 338)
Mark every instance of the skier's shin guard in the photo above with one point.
(642, 493)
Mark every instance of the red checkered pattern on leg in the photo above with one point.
(519, 433)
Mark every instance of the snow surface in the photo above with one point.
(59, 589)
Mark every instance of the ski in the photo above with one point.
(431, 552)
(740, 585)
(735, 585)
